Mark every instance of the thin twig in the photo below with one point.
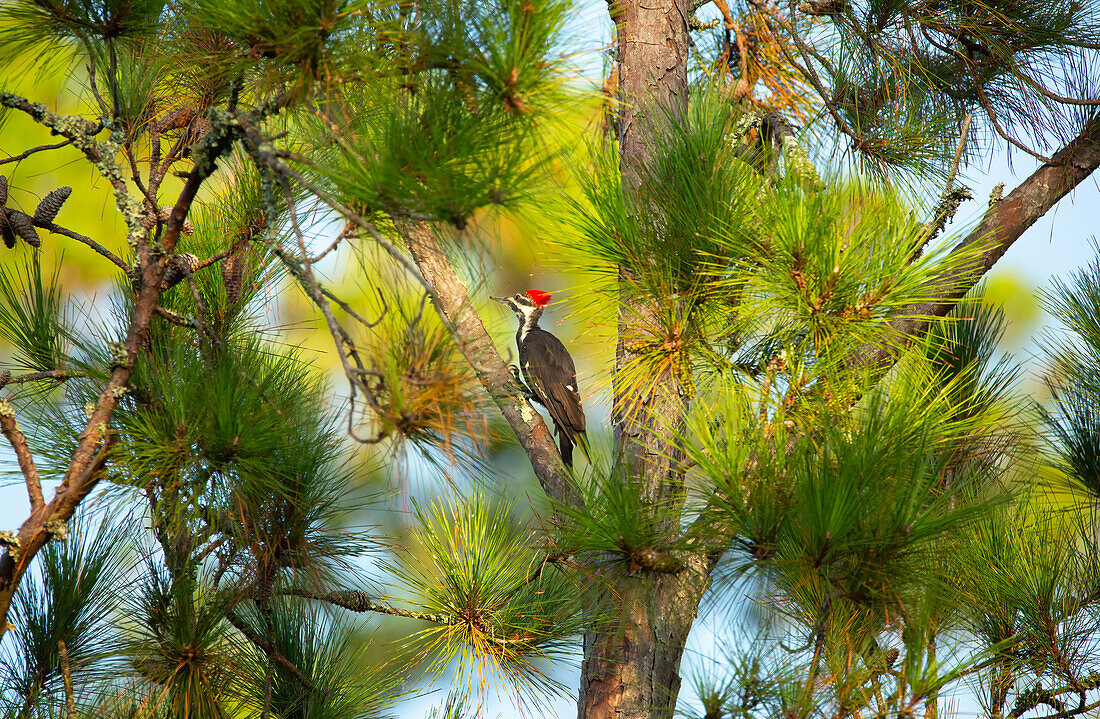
(808, 72)
(59, 230)
(270, 650)
(135, 175)
(245, 237)
(361, 602)
(176, 318)
(983, 99)
(949, 202)
(200, 306)
(346, 308)
(344, 233)
(41, 148)
(90, 68)
(66, 673)
(60, 375)
(18, 442)
(269, 159)
(959, 149)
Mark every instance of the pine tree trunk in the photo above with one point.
(631, 663)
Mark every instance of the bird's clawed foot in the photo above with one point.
(518, 377)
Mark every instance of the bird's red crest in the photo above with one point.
(539, 297)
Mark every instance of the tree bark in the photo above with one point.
(632, 656)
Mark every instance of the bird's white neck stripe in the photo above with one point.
(530, 321)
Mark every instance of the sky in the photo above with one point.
(1054, 247)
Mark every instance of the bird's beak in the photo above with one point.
(502, 300)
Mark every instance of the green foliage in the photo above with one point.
(331, 660)
(180, 646)
(451, 126)
(131, 78)
(430, 155)
(833, 268)
(234, 223)
(898, 118)
(689, 216)
(504, 607)
(32, 318)
(618, 528)
(1074, 382)
(74, 603)
(295, 33)
(39, 25)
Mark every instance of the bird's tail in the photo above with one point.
(582, 440)
(565, 445)
(566, 442)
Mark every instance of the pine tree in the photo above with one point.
(812, 428)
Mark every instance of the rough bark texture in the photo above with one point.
(477, 347)
(632, 658)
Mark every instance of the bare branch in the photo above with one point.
(949, 200)
(23, 453)
(359, 602)
(60, 375)
(67, 676)
(41, 148)
(269, 159)
(270, 650)
(176, 318)
(59, 230)
(1003, 224)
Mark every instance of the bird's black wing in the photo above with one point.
(550, 372)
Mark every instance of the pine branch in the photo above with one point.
(59, 230)
(270, 650)
(102, 155)
(88, 461)
(41, 148)
(1003, 224)
(1032, 698)
(60, 375)
(950, 199)
(66, 674)
(360, 602)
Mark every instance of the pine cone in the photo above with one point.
(51, 205)
(231, 277)
(162, 215)
(824, 7)
(23, 227)
(3, 189)
(5, 229)
(176, 272)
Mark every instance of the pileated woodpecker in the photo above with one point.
(549, 370)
